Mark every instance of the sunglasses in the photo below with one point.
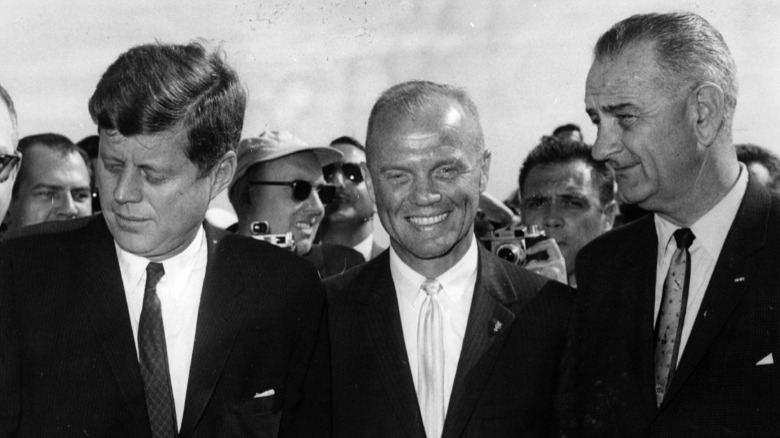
(7, 164)
(351, 171)
(302, 189)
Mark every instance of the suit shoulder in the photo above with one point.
(623, 236)
(49, 228)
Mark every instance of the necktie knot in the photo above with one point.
(154, 272)
(431, 287)
(684, 238)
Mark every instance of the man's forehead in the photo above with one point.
(301, 165)
(633, 68)
(569, 176)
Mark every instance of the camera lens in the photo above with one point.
(511, 252)
(260, 227)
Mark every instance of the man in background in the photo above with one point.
(680, 333)
(569, 194)
(763, 165)
(53, 182)
(349, 219)
(10, 157)
(279, 182)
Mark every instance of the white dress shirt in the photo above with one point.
(455, 300)
(365, 247)
(179, 291)
(710, 231)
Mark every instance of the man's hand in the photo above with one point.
(553, 266)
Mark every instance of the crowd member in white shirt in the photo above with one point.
(438, 337)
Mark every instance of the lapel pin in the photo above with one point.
(739, 279)
(496, 326)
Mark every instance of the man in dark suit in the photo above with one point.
(682, 323)
(436, 336)
(144, 321)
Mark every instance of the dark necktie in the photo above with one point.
(154, 359)
(672, 313)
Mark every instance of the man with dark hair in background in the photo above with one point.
(569, 131)
(569, 194)
(53, 182)
(279, 184)
(349, 219)
(763, 165)
(438, 337)
(10, 157)
(682, 315)
(145, 321)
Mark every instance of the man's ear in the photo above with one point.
(709, 109)
(369, 182)
(222, 173)
(610, 212)
(485, 170)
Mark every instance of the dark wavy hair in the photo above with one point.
(553, 150)
(158, 87)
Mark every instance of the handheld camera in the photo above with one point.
(510, 243)
(260, 230)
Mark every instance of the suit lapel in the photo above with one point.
(489, 320)
(218, 321)
(381, 322)
(100, 282)
(636, 310)
(733, 272)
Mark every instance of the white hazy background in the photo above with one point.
(315, 67)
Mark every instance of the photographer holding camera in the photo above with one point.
(570, 195)
(279, 188)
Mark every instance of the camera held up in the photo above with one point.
(260, 231)
(510, 243)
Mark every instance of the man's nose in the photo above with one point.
(608, 140)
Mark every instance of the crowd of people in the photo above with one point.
(636, 296)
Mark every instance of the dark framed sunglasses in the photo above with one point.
(8, 163)
(302, 189)
(351, 171)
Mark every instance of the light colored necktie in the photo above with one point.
(430, 354)
(672, 314)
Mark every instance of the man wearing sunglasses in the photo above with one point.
(349, 218)
(279, 181)
(9, 156)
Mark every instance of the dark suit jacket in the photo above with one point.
(68, 363)
(506, 375)
(332, 259)
(717, 390)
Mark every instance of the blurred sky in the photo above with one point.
(315, 68)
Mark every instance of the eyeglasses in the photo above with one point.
(351, 171)
(8, 163)
(302, 189)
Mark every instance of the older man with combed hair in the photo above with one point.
(10, 157)
(681, 329)
(437, 337)
(145, 321)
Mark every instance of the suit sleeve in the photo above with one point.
(10, 373)
(307, 403)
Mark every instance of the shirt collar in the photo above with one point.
(408, 281)
(365, 246)
(708, 229)
(133, 267)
